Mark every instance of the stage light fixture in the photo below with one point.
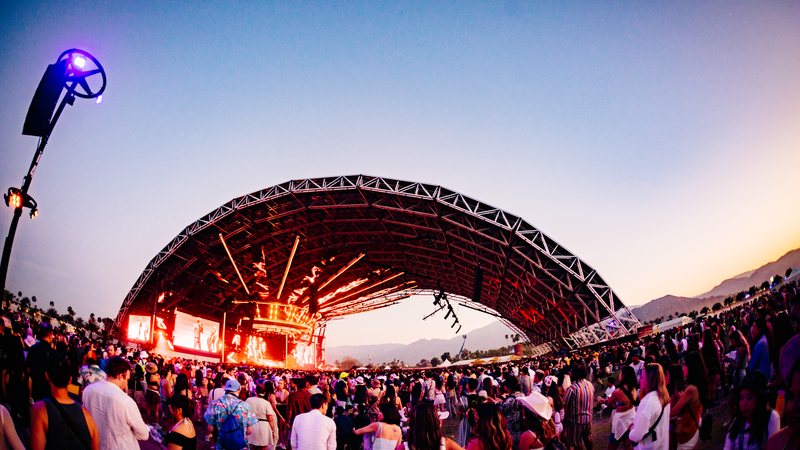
(13, 198)
(34, 213)
(78, 61)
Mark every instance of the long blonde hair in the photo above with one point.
(654, 375)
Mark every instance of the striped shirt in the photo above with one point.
(578, 402)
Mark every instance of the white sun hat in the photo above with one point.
(537, 403)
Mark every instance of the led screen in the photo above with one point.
(257, 348)
(196, 333)
(138, 328)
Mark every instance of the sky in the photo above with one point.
(657, 141)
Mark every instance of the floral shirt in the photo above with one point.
(512, 409)
(218, 411)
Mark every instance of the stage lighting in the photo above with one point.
(37, 122)
(78, 61)
(13, 198)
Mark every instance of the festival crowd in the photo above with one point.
(63, 390)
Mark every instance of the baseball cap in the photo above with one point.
(232, 385)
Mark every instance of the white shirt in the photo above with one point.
(743, 442)
(313, 431)
(118, 419)
(646, 415)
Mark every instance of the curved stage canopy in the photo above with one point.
(368, 242)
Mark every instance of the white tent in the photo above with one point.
(445, 363)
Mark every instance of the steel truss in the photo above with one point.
(416, 238)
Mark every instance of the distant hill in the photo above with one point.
(739, 283)
(669, 304)
(489, 337)
(493, 335)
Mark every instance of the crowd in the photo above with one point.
(64, 390)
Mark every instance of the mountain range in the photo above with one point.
(493, 335)
(488, 337)
(669, 304)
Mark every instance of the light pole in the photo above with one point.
(72, 71)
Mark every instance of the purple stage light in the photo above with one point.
(99, 99)
(78, 61)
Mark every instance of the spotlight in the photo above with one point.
(78, 61)
(34, 213)
(13, 198)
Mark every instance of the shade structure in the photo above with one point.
(367, 242)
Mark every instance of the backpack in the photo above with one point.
(231, 433)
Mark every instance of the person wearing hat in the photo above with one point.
(753, 420)
(536, 415)
(136, 382)
(152, 395)
(229, 404)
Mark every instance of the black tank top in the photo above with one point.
(60, 436)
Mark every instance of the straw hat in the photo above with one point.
(151, 367)
(538, 404)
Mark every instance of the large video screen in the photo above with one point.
(268, 349)
(196, 333)
(138, 328)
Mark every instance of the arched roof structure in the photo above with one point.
(375, 241)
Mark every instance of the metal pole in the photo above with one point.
(26, 184)
(224, 324)
(153, 322)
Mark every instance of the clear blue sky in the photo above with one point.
(657, 141)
